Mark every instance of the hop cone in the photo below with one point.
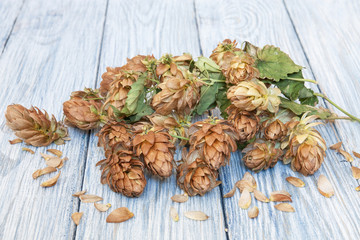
(154, 147)
(83, 110)
(34, 126)
(138, 63)
(245, 123)
(306, 146)
(261, 155)
(115, 134)
(241, 69)
(123, 172)
(212, 140)
(177, 94)
(175, 124)
(254, 95)
(169, 66)
(224, 53)
(195, 176)
(118, 91)
(274, 130)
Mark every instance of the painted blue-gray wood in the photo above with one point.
(160, 27)
(267, 22)
(51, 48)
(50, 53)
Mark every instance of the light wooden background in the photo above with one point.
(50, 48)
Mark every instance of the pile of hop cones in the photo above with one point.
(144, 110)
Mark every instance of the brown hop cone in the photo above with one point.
(175, 124)
(117, 94)
(83, 110)
(138, 64)
(212, 140)
(123, 173)
(177, 94)
(241, 69)
(254, 95)
(224, 53)
(274, 130)
(169, 66)
(195, 176)
(261, 155)
(246, 123)
(34, 126)
(306, 146)
(115, 134)
(154, 147)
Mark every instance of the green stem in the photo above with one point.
(180, 137)
(302, 80)
(352, 117)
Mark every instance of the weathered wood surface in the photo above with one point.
(267, 22)
(55, 47)
(50, 53)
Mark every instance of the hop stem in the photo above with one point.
(302, 80)
(180, 137)
(351, 117)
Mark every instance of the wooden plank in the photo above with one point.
(53, 51)
(9, 11)
(263, 23)
(332, 45)
(140, 27)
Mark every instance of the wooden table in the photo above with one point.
(50, 48)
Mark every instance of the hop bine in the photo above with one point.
(83, 110)
(153, 145)
(261, 155)
(195, 176)
(306, 146)
(123, 172)
(212, 140)
(34, 126)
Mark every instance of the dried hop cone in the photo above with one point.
(306, 146)
(261, 155)
(123, 172)
(246, 123)
(224, 53)
(153, 145)
(169, 66)
(139, 63)
(118, 91)
(212, 140)
(115, 134)
(177, 94)
(34, 126)
(195, 176)
(274, 130)
(254, 95)
(83, 110)
(241, 69)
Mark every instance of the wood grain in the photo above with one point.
(9, 11)
(316, 217)
(53, 51)
(155, 28)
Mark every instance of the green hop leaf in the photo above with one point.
(299, 109)
(206, 64)
(274, 64)
(133, 97)
(294, 90)
(208, 97)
